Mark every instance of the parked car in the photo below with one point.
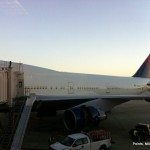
(142, 132)
(93, 140)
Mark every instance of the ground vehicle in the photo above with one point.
(93, 140)
(143, 131)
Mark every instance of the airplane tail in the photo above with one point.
(144, 70)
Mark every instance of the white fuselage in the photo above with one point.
(48, 82)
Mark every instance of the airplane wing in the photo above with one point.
(104, 102)
(88, 98)
(82, 111)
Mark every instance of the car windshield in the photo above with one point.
(68, 141)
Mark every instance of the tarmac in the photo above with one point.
(121, 119)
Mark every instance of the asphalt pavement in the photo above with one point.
(121, 119)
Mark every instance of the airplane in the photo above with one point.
(86, 98)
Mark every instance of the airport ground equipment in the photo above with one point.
(140, 132)
(93, 140)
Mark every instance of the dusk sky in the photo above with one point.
(87, 36)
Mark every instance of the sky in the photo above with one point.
(87, 36)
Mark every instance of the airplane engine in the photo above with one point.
(84, 116)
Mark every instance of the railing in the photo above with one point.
(4, 65)
(13, 119)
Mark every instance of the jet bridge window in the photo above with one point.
(20, 84)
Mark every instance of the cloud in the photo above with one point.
(13, 7)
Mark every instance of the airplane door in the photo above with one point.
(142, 90)
(107, 88)
(70, 88)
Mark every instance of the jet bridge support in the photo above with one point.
(12, 136)
(11, 121)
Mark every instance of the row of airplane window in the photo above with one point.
(61, 88)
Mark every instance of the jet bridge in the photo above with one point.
(15, 103)
(11, 82)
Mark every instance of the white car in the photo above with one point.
(94, 140)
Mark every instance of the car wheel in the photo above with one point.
(103, 147)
